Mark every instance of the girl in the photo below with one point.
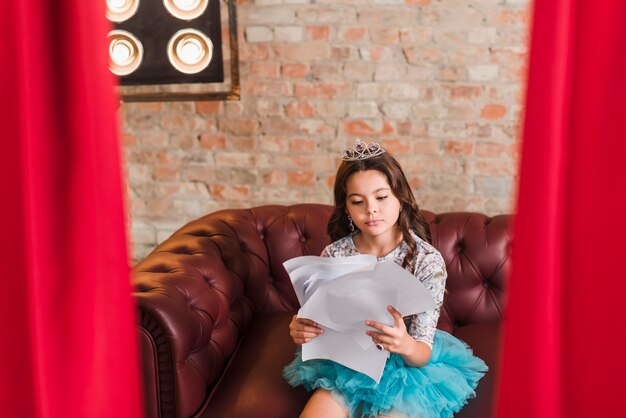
(429, 373)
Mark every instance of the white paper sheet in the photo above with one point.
(342, 293)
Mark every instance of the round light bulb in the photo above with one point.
(117, 4)
(186, 5)
(186, 9)
(121, 52)
(125, 52)
(190, 51)
(121, 10)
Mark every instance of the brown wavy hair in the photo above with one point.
(410, 218)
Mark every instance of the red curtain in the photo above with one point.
(68, 335)
(563, 349)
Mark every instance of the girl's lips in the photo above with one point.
(373, 222)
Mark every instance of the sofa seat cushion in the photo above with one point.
(484, 339)
(254, 375)
(252, 384)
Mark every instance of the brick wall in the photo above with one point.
(438, 83)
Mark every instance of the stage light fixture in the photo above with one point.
(172, 49)
(121, 10)
(186, 9)
(125, 52)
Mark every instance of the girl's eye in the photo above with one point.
(382, 197)
(356, 202)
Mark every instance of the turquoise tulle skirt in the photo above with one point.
(436, 390)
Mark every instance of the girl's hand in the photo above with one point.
(394, 339)
(303, 330)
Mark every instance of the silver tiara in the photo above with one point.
(362, 151)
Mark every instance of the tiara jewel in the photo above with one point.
(362, 151)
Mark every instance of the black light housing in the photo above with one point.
(165, 41)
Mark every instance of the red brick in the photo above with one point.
(330, 181)
(427, 146)
(490, 149)
(316, 127)
(270, 107)
(300, 110)
(254, 52)
(166, 172)
(296, 70)
(302, 145)
(129, 140)
(176, 122)
(376, 53)
(318, 33)
(275, 177)
(462, 111)
(353, 34)
(212, 141)
(150, 106)
(243, 143)
(378, 16)
(358, 71)
(384, 36)
(459, 147)
(450, 73)
(413, 129)
(322, 90)
(183, 140)
(233, 109)
(511, 17)
(327, 71)
(239, 126)
(209, 107)
(269, 143)
(203, 173)
(268, 88)
(368, 128)
(490, 168)
(493, 111)
(228, 192)
(330, 109)
(460, 92)
(395, 146)
(302, 51)
(264, 69)
(424, 55)
(341, 53)
(419, 35)
(279, 126)
(301, 178)
(305, 162)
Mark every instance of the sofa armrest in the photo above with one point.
(198, 291)
(185, 339)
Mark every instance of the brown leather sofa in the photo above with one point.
(215, 303)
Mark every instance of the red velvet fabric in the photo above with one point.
(69, 341)
(563, 356)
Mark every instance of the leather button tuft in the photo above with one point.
(302, 238)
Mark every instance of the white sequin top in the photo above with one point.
(427, 265)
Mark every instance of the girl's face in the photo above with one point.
(372, 206)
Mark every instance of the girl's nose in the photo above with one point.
(372, 210)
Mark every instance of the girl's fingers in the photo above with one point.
(397, 316)
(385, 329)
(306, 321)
(310, 329)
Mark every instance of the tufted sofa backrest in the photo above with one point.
(225, 268)
(477, 251)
